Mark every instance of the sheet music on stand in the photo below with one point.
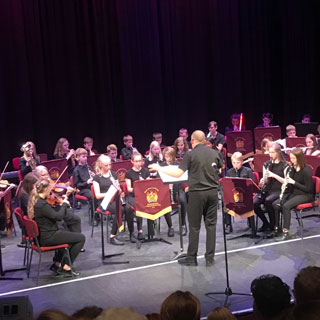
(169, 179)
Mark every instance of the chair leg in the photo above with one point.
(67, 253)
(30, 261)
(39, 268)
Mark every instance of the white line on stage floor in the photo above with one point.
(151, 266)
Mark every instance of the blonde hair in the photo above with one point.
(98, 166)
(150, 155)
(221, 313)
(111, 147)
(38, 188)
(81, 151)
(237, 155)
(26, 153)
(58, 150)
(277, 148)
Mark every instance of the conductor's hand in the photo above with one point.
(154, 167)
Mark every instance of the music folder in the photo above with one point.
(169, 179)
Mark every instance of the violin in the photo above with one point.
(5, 183)
(54, 199)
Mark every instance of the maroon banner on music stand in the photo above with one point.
(240, 141)
(270, 133)
(55, 168)
(295, 142)
(121, 167)
(92, 160)
(258, 160)
(314, 163)
(43, 157)
(238, 196)
(152, 198)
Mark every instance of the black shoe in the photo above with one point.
(83, 250)
(188, 261)
(132, 238)
(141, 236)
(229, 228)
(68, 273)
(277, 232)
(170, 232)
(54, 267)
(264, 228)
(285, 236)
(114, 241)
(209, 262)
(184, 230)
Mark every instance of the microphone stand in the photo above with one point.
(228, 291)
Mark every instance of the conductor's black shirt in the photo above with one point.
(203, 166)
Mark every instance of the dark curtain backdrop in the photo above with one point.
(105, 68)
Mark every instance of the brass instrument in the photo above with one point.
(30, 160)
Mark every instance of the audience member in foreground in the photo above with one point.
(120, 314)
(53, 314)
(271, 297)
(221, 313)
(180, 306)
(87, 313)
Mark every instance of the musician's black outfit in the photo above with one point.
(105, 183)
(203, 166)
(243, 172)
(300, 192)
(269, 193)
(133, 175)
(49, 233)
(80, 177)
(24, 167)
(127, 152)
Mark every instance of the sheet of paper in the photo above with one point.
(168, 179)
(108, 197)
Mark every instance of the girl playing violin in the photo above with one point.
(50, 235)
(30, 158)
(62, 151)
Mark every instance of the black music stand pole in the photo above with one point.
(228, 291)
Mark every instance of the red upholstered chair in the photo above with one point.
(15, 163)
(33, 245)
(305, 207)
(43, 157)
(79, 197)
(19, 216)
(256, 175)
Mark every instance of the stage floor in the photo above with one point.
(152, 274)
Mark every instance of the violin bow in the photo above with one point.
(5, 168)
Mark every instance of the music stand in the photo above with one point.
(228, 291)
(150, 209)
(166, 179)
(254, 188)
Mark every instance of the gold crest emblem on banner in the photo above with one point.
(268, 136)
(54, 173)
(237, 195)
(239, 143)
(121, 173)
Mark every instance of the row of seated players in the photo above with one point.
(271, 301)
(105, 177)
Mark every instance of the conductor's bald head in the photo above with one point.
(198, 137)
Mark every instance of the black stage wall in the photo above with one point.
(108, 67)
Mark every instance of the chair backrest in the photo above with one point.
(19, 215)
(15, 163)
(71, 181)
(316, 182)
(92, 192)
(256, 175)
(31, 227)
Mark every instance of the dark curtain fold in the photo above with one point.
(108, 68)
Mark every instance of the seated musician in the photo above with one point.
(312, 145)
(49, 233)
(235, 123)
(25, 190)
(267, 118)
(112, 152)
(62, 151)
(306, 118)
(238, 171)
(265, 145)
(88, 145)
(128, 150)
(291, 133)
(180, 147)
(297, 188)
(71, 221)
(3, 215)
(102, 181)
(30, 158)
(178, 194)
(157, 136)
(183, 133)
(155, 156)
(83, 173)
(137, 172)
(270, 187)
(216, 137)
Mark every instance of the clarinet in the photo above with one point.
(264, 183)
(284, 186)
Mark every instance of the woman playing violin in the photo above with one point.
(30, 158)
(46, 218)
(62, 151)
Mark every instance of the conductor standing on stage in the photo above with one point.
(203, 166)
